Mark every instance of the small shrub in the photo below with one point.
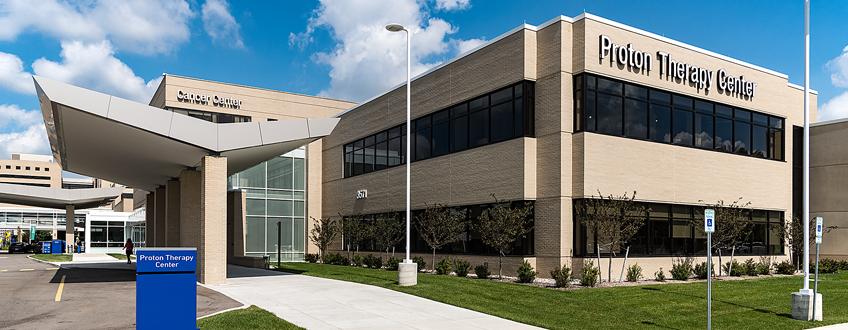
(733, 270)
(526, 274)
(357, 260)
(749, 267)
(634, 273)
(785, 268)
(681, 269)
(763, 269)
(826, 266)
(562, 276)
(421, 263)
(589, 274)
(310, 258)
(700, 270)
(842, 264)
(461, 267)
(482, 271)
(443, 267)
(392, 263)
(660, 275)
(371, 261)
(336, 259)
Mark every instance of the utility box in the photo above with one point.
(57, 246)
(166, 288)
(45, 247)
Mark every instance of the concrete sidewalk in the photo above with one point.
(318, 303)
(93, 257)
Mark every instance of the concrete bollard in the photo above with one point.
(407, 274)
(802, 306)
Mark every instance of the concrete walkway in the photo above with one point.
(318, 303)
(93, 257)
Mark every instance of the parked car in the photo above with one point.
(38, 246)
(18, 247)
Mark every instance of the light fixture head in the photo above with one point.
(394, 27)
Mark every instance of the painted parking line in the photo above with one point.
(61, 286)
(26, 270)
(4, 270)
(52, 268)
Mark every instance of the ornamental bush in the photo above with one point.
(733, 270)
(634, 273)
(589, 274)
(461, 267)
(443, 267)
(336, 259)
(482, 271)
(681, 269)
(785, 268)
(562, 276)
(526, 274)
(763, 268)
(660, 275)
(750, 267)
(392, 263)
(357, 260)
(310, 258)
(700, 270)
(371, 261)
(420, 261)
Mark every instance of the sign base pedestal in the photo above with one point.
(407, 274)
(802, 306)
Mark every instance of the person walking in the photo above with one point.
(129, 249)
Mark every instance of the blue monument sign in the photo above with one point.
(166, 288)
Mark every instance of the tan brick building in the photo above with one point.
(553, 114)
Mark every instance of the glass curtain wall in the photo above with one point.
(276, 194)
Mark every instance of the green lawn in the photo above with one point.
(120, 256)
(749, 304)
(250, 318)
(53, 257)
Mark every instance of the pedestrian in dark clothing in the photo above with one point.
(129, 249)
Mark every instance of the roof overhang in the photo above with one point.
(141, 146)
(56, 198)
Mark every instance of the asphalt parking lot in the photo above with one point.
(35, 295)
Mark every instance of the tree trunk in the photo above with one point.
(434, 259)
(393, 251)
(500, 265)
(730, 269)
(600, 280)
(719, 262)
(627, 253)
(609, 268)
(348, 254)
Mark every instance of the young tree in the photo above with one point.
(389, 230)
(500, 225)
(732, 226)
(355, 231)
(323, 233)
(614, 220)
(793, 233)
(440, 225)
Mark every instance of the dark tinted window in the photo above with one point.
(590, 111)
(440, 139)
(660, 98)
(478, 104)
(518, 115)
(636, 119)
(723, 111)
(742, 115)
(704, 131)
(459, 134)
(760, 119)
(609, 113)
(440, 117)
(681, 102)
(422, 144)
(501, 96)
(660, 123)
(590, 82)
(459, 110)
(683, 127)
(636, 92)
(478, 129)
(502, 122)
(723, 134)
(742, 138)
(705, 107)
(759, 139)
(422, 122)
(609, 86)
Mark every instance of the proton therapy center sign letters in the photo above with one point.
(166, 260)
(700, 78)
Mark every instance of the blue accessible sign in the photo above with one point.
(166, 288)
(709, 220)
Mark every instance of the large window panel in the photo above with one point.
(280, 173)
(502, 118)
(518, 122)
(382, 153)
(280, 208)
(591, 117)
(704, 131)
(742, 138)
(459, 134)
(299, 174)
(609, 114)
(440, 139)
(422, 144)
(395, 152)
(660, 123)
(478, 129)
(358, 162)
(683, 127)
(368, 159)
(723, 134)
(253, 177)
(759, 141)
(636, 118)
(255, 207)
(256, 231)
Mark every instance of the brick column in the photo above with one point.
(190, 209)
(212, 253)
(159, 215)
(69, 228)
(150, 221)
(172, 213)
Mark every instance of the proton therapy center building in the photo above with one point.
(551, 115)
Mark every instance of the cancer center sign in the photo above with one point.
(701, 78)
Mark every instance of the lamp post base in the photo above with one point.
(802, 306)
(407, 274)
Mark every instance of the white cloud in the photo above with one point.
(836, 108)
(12, 114)
(367, 59)
(220, 24)
(452, 4)
(94, 66)
(13, 76)
(145, 27)
(32, 140)
(467, 45)
(839, 65)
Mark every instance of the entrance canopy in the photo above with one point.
(141, 146)
(56, 198)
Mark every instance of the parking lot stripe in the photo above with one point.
(61, 286)
(52, 268)
(26, 270)
(5, 270)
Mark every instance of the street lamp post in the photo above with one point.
(407, 270)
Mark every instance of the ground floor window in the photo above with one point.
(668, 230)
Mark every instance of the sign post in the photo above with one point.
(166, 288)
(816, 283)
(279, 243)
(709, 228)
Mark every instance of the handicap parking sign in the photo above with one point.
(709, 220)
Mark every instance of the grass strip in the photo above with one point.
(763, 303)
(249, 318)
(120, 256)
(53, 257)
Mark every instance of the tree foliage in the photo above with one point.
(732, 225)
(439, 225)
(500, 225)
(323, 232)
(355, 231)
(389, 230)
(613, 219)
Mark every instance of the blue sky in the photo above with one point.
(339, 48)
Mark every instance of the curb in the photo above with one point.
(42, 261)
(243, 304)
